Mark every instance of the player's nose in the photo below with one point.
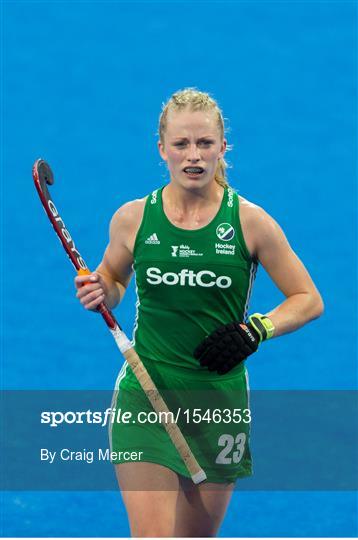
(193, 153)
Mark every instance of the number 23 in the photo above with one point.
(227, 441)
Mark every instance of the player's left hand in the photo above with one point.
(227, 346)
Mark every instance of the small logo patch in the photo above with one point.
(153, 200)
(152, 239)
(230, 198)
(224, 249)
(184, 251)
(225, 232)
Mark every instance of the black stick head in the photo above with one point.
(45, 173)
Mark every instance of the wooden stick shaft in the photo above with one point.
(196, 472)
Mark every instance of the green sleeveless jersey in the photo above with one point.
(189, 282)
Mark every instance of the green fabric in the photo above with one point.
(219, 439)
(189, 282)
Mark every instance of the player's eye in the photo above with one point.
(180, 144)
(205, 143)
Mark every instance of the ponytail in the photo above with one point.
(220, 173)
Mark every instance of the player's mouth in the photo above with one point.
(193, 172)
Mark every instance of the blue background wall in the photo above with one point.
(83, 84)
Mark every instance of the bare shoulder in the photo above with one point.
(126, 221)
(251, 212)
(129, 215)
(258, 226)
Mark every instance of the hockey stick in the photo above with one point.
(42, 176)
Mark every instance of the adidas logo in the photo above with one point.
(152, 239)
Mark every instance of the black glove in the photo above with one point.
(227, 346)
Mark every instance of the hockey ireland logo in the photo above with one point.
(225, 232)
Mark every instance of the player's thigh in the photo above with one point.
(201, 509)
(149, 493)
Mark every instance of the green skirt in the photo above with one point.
(212, 412)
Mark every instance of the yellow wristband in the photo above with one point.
(263, 325)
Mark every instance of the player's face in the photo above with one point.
(192, 147)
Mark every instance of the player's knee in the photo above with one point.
(152, 526)
(154, 530)
(196, 531)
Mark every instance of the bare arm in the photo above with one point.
(112, 276)
(269, 244)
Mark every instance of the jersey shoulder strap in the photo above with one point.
(151, 220)
(232, 209)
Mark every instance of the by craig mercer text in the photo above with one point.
(113, 415)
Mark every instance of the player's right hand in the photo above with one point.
(90, 290)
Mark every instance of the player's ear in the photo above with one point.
(223, 148)
(161, 149)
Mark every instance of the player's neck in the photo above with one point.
(187, 201)
(191, 210)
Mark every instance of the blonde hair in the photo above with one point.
(197, 101)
